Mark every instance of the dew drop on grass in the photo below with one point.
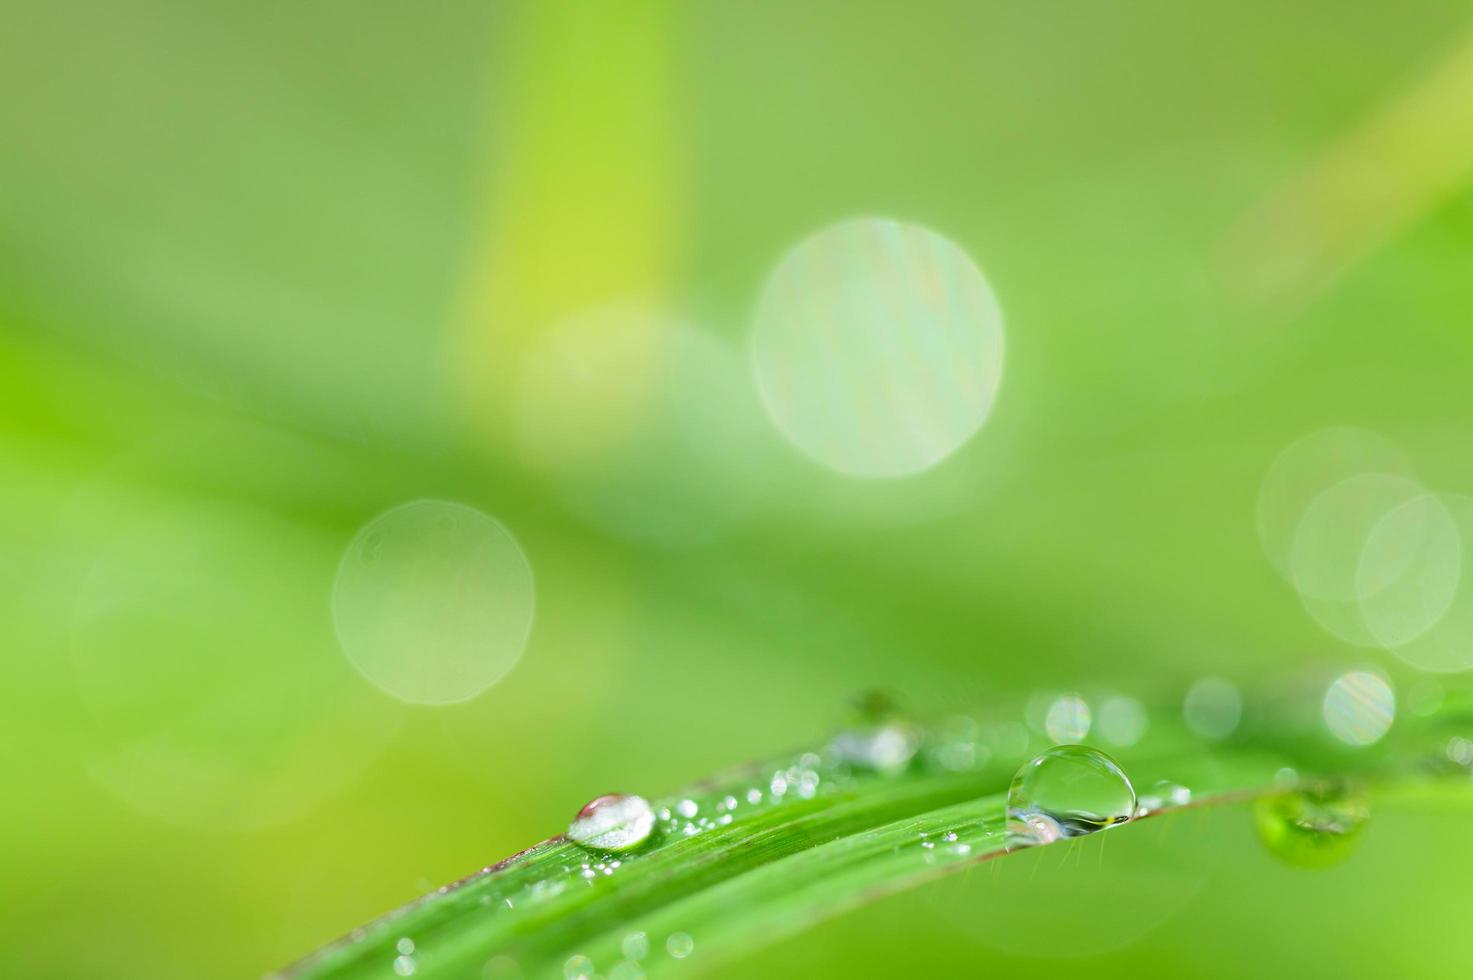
(878, 736)
(886, 749)
(614, 822)
(1161, 795)
(578, 967)
(1067, 791)
(679, 945)
(1314, 827)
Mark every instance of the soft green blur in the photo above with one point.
(270, 270)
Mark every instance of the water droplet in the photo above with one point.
(404, 966)
(887, 749)
(1067, 720)
(1161, 795)
(1067, 791)
(1212, 708)
(613, 823)
(405, 945)
(578, 967)
(1359, 707)
(636, 946)
(687, 808)
(1314, 827)
(679, 945)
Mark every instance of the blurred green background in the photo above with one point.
(269, 270)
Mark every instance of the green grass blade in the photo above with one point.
(765, 851)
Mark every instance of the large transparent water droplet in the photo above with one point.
(1067, 791)
(1313, 827)
(613, 823)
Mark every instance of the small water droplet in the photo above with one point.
(1067, 791)
(405, 946)
(1161, 795)
(613, 823)
(404, 966)
(687, 808)
(887, 749)
(679, 945)
(578, 967)
(1314, 827)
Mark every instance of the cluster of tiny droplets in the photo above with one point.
(635, 947)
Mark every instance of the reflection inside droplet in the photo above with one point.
(613, 823)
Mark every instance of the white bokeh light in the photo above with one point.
(877, 347)
(1068, 719)
(1435, 591)
(1326, 552)
(1212, 708)
(1359, 707)
(433, 601)
(1122, 721)
(1307, 468)
(648, 426)
(1409, 570)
